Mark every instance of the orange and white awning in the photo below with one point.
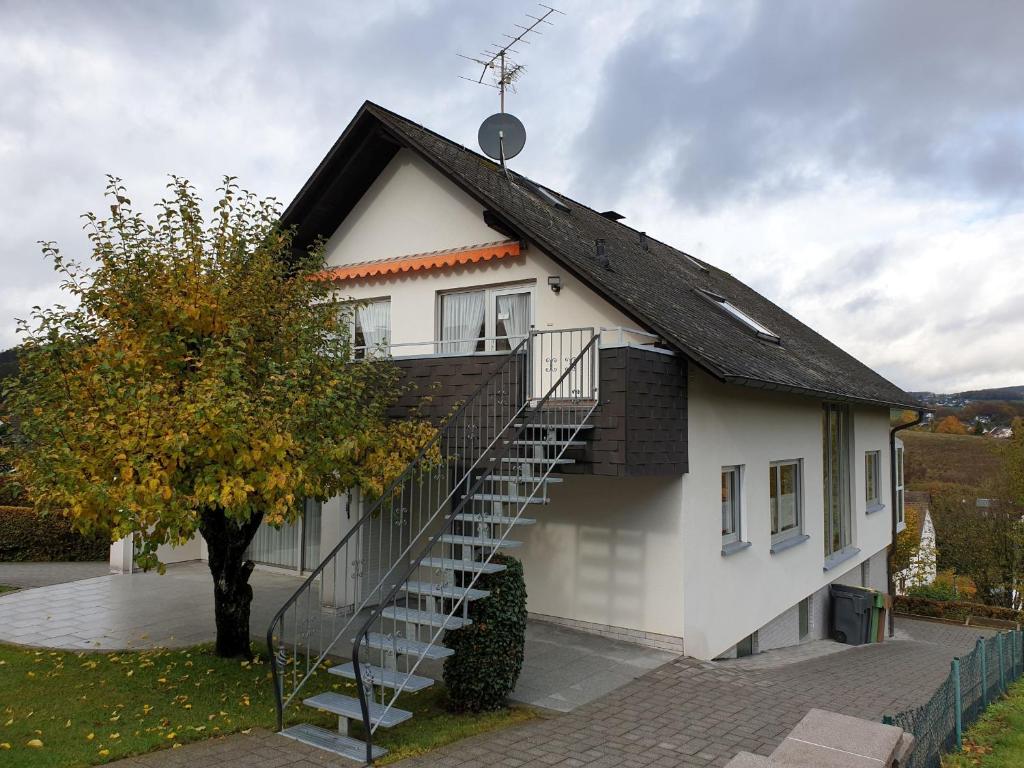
(418, 262)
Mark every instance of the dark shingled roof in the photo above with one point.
(657, 285)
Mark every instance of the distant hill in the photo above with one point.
(1006, 394)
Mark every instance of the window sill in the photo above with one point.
(792, 541)
(836, 558)
(733, 547)
(872, 508)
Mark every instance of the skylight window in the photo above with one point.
(731, 309)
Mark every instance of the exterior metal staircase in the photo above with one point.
(405, 573)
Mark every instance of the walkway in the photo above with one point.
(685, 713)
(25, 575)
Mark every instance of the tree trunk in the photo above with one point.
(226, 541)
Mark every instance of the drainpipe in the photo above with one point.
(892, 501)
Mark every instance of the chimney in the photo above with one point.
(643, 240)
(601, 254)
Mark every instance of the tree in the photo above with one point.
(203, 383)
(951, 425)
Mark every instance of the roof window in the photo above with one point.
(731, 309)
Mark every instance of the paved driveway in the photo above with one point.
(685, 713)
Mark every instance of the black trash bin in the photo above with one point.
(851, 614)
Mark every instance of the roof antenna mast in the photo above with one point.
(502, 136)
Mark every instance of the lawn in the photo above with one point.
(997, 739)
(5, 588)
(61, 708)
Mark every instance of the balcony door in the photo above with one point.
(484, 319)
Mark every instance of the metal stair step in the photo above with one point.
(553, 443)
(347, 706)
(528, 425)
(423, 618)
(407, 647)
(512, 499)
(388, 678)
(479, 541)
(345, 746)
(468, 517)
(511, 460)
(523, 479)
(455, 564)
(445, 591)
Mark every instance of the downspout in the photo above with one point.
(892, 501)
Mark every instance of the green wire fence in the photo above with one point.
(974, 681)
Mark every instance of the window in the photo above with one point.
(484, 320)
(872, 480)
(901, 519)
(785, 502)
(738, 314)
(371, 327)
(835, 428)
(804, 613)
(730, 504)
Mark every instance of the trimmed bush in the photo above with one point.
(952, 610)
(27, 535)
(942, 592)
(488, 656)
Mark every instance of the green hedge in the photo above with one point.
(27, 535)
(952, 609)
(488, 657)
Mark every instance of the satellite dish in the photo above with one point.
(502, 136)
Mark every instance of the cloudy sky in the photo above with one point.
(860, 163)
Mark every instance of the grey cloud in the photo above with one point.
(774, 102)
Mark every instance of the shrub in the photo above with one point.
(488, 656)
(952, 609)
(27, 535)
(934, 591)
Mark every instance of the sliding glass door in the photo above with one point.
(484, 319)
(294, 546)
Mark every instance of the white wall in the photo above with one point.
(607, 551)
(728, 598)
(411, 208)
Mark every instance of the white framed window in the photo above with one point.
(371, 327)
(836, 437)
(491, 319)
(873, 480)
(785, 493)
(901, 513)
(732, 479)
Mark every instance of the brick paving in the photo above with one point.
(685, 713)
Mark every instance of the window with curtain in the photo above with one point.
(463, 321)
(511, 319)
(484, 320)
(730, 504)
(785, 499)
(872, 480)
(836, 439)
(371, 328)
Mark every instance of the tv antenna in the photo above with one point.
(502, 135)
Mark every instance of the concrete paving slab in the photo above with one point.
(26, 575)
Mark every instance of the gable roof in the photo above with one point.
(658, 285)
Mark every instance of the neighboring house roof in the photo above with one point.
(417, 262)
(662, 287)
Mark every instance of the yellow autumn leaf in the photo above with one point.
(5, 745)
(34, 743)
(103, 752)
(90, 737)
(171, 735)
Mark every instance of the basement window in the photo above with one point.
(726, 306)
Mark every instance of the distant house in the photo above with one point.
(1003, 433)
(922, 568)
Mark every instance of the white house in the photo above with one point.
(718, 463)
(922, 567)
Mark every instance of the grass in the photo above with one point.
(5, 588)
(62, 708)
(997, 739)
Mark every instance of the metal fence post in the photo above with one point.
(958, 704)
(1002, 676)
(984, 671)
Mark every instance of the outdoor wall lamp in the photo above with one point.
(555, 283)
